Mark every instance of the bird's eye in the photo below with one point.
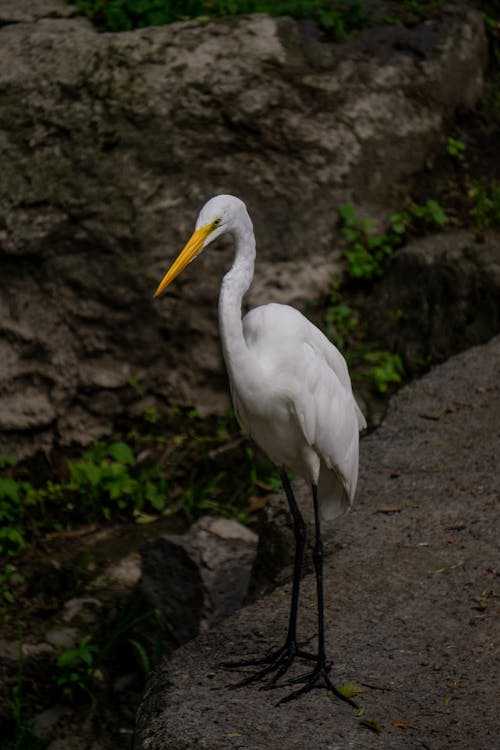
(216, 222)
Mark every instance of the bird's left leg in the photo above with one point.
(279, 661)
(319, 677)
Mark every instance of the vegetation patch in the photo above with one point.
(366, 250)
(141, 477)
(375, 370)
(338, 19)
(485, 204)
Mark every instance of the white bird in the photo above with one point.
(292, 393)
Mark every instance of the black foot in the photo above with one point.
(318, 678)
(278, 662)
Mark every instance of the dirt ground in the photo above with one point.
(412, 592)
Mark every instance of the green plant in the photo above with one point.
(123, 633)
(491, 99)
(10, 577)
(189, 473)
(366, 251)
(11, 511)
(205, 493)
(81, 670)
(426, 216)
(212, 468)
(205, 468)
(456, 148)
(151, 415)
(14, 497)
(485, 208)
(108, 479)
(388, 369)
(77, 669)
(23, 738)
(340, 320)
(338, 19)
(422, 9)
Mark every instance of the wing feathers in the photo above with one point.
(309, 375)
(330, 420)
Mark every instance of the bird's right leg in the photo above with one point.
(280, 660)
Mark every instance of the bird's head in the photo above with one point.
(219, 215)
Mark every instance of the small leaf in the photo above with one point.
(9, 488)
(87, 656)
(349, 690)
(449, 567)
(374, 726)
(68, 657)
(7, 461)
(122, 452)
(141, 517)
(348, 213)
(436, 212)
(142, 654)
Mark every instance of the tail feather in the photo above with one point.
(334, 497)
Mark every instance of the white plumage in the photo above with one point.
(301, 411)
(292, 393)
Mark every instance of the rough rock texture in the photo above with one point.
(110, 143)
(197, 579)
(444, 292)
(413, 615)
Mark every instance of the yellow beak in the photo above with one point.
(187, 254)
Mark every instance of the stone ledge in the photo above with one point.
(403, 590)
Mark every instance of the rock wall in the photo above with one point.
(452, 302)
(109, 144)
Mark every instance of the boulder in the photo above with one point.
(110, 143)
(438, 294)
(196, 579)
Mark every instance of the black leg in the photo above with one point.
(319, 677)
(318, 567)
(299, 528)
(279, 661)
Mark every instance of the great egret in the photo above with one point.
(292, 393)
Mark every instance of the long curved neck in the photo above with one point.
(233, 288)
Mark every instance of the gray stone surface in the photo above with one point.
(109, 144)
(411, 591)
(444, 292)
(198, 578)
